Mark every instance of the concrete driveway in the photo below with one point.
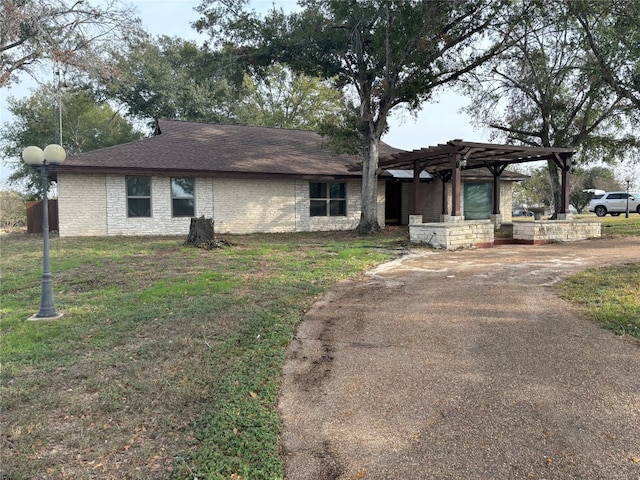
(463, 365)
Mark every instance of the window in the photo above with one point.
(138, 196)
(327, 199)
(616, 196)
(182, 197)
(478, 201)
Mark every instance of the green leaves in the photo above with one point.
(86, 125)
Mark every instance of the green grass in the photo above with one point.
(613, 226)
(166, 363)
(609, 295)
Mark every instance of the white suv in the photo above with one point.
(614, 203)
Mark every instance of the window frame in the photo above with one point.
(138, 197)
(192, 197)
(327, 201)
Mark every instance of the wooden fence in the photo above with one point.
(34, 216)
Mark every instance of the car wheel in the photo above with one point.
(638, 209)
(615, 214)
(601, 210)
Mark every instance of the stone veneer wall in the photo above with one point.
(453, 236)
(96, 205)
(555, 231)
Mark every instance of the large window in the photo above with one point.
(478, 201)
(182, 197)
(327, 199)
(138, 196)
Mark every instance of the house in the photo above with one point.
(248, 179)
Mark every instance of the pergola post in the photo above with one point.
(496, 171)
(496, 194)
(415, 209)
(445, 204)
(456, 210)
(564, 207)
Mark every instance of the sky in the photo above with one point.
(437, 122)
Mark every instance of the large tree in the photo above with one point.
(386, 53)
(612, 32)
(546, 90)
(282, 98)
(86, 126)
(73, 34)
(167, 77)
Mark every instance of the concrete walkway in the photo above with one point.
(464, 365)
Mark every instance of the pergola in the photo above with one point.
(446, 161)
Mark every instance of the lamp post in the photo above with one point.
(45, 162)
(628, 180)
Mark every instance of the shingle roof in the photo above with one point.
(205, 148)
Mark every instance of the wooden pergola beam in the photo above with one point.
(443, 161)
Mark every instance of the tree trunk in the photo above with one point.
(201, 232)
(369, 212)
(555, 186)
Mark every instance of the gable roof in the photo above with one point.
(192, 148)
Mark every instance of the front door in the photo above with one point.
(393, 203)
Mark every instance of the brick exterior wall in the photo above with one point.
(307, 223)
(82, 205)
(248, 206)
(161, 221)
(97, 205)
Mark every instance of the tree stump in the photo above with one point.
(201, 233)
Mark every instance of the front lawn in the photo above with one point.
(612, 226)
(608, 295)
(166, 363)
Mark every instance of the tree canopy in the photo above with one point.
(73, 34)
(167, 77)
(612, 34)
(282, 98)
(87, 125)
(383, 53)
(546, 90)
